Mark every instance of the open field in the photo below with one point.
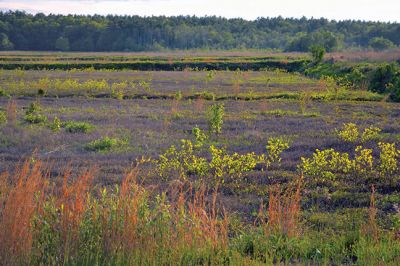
(343, 210)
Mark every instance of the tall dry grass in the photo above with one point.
(283, 213)
(18, 206)
(43, 222)
(11, 112)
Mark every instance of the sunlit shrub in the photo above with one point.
(388, 158)
(200, 136)
(35, 118)
(105, 144)
(215, 117)
(349, 133)
(233, 166)
(78, 127)
(56, 125)
(275, 147)
(370, 133)
(3, 117)
(33, 107)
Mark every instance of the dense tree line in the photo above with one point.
(22, 31)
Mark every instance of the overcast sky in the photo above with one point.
(382, 10)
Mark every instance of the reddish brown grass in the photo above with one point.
(283, 211)
(11, 112)
(17, 211)
(371, 227)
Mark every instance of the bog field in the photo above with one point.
(202, 158)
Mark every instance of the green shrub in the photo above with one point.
(200, 136)
(35, 118)
(33, 108)
(56, 125)
(382, 77)
(317, 53)
(2, 92)
(105, 144)
(370, 133)
(3, 117)
(388, 157)
(380, 43)
(215, 116)
(349, 133)
(78, 127)
(206, 95)
(274, 148)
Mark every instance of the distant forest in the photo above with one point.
(23, 31)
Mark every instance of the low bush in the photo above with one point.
(35, 118)
(105, 144)
(77, 127)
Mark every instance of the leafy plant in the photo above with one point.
(105, 144)
(275, 147)
(3, 117)
(33, 108)
(78, 127)
(317, 53)
(35, 118)
(200, 136)
(388, 158)
(370, 133)
(215, 116)
(349, 133)
(56, 125)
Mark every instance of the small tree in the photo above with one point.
(317, 53)
(215, 117)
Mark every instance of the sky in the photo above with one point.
(371, 10)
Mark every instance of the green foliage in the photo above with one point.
(178, 96)
(349, 133)
(380, 43)
(35, 118)
(223, 165)
(215, 115)
(188, 160)
(62, 44)
(388, 158)
(303, 42)
(329, 165)
(23, 31)
(200, 137)
(3, 117)
(182, 161)
(77, 127)
(33, 108)
(324, 164)
(370, 133)
(5, 43)
(275, 147)
(206, 95)
(382, 77)
(317, 53)
(56, 125)
(106, 144)
(394, 88)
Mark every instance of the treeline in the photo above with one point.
(22, 31)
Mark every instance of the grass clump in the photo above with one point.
(78, 127)
(106, 144)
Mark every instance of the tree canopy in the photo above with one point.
(23, 31)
